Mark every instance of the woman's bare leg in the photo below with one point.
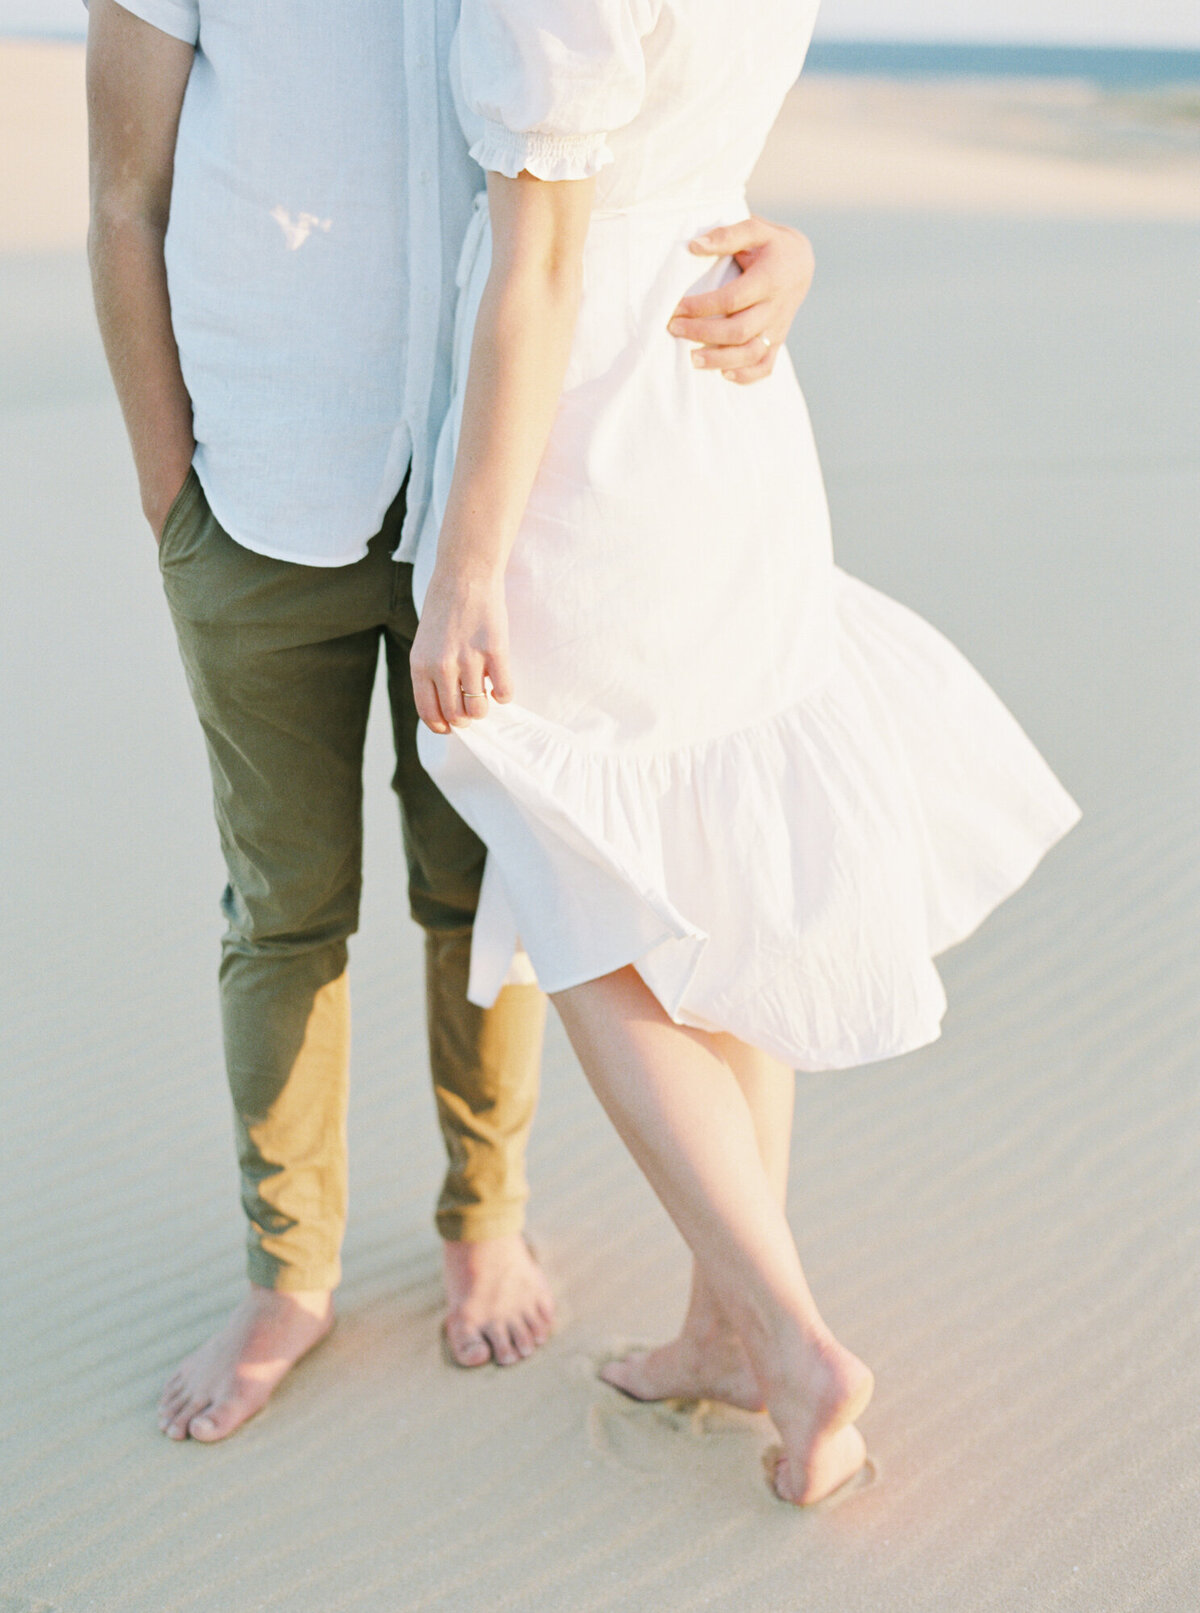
(708, 1360)
(679, 1107)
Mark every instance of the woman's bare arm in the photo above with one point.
(136, 77)
(519, 358)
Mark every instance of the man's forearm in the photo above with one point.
(136, 80)
(129, 282)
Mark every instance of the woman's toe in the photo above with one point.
(625, 1374)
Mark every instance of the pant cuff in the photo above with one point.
(473, 1224)
(267, 1271)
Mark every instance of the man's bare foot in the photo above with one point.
(814, 1407)
(712, 1366)
(232, 1376)
(499, 1304)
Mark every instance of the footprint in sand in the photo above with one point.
(867, 1475)
(654, 1437)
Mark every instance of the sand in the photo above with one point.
(1005, 147)
(1006, 1224)
(43, 146)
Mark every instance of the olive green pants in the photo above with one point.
(281, 661)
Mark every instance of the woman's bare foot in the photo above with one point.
(499, 1304)
(833, 1464)
(709, 1366)
(814, 1406)
(232, 1376)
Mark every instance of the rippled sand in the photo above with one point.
(1006, 1224)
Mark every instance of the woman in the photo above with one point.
(734, 801)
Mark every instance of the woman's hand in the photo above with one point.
(519, 355)
(461, 647)
(742, 325)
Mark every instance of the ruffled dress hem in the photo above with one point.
(789, 883)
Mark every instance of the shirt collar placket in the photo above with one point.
(424, 250)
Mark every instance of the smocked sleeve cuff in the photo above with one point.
(545, 156)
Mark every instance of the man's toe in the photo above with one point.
(174, 1393)
(522, 1337)
(504, 1351)
(170, 1406)
(171, 1396)
(539, 1327)
(177, 1428)
(217, 1421)
(467, 1345)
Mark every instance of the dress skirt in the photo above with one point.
(776, 792)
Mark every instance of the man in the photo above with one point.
(281, 355)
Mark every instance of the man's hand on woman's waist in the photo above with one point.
(741, 325)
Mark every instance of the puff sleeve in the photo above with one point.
(550, 80)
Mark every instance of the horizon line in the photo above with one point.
(18, 30)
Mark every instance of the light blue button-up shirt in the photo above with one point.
(322, 189)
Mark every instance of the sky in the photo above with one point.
(1078, 22)
(1171, 23)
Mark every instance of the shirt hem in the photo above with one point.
(322, 562)
(269, 551)
(176, 18)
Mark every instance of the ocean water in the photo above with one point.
(1111, 68)
(44, 19)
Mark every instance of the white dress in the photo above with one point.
(773, 790)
